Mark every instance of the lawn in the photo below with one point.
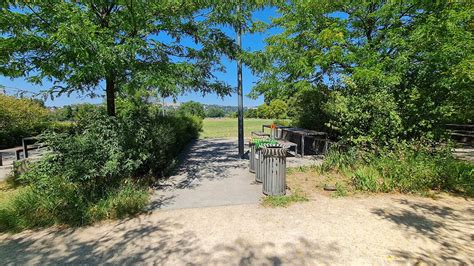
(6, 193)
(227, 127)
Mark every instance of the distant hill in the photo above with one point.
(226, 108)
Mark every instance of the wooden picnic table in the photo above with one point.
(303, 133)
(270, 126)
(276, 126)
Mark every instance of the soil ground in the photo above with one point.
(373, 230)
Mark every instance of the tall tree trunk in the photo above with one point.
(110, 95)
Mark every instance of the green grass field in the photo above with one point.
(227, 127)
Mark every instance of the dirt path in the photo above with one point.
(376, 230)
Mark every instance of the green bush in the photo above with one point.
(215, 112)
(192, 108)
(20, 118)
(76, 112)
(405, 168)
(369, 119)
(60, 126)
(86, 174)
(282, 122)
(307, 108)
(277, 109)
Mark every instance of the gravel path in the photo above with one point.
(375, 230)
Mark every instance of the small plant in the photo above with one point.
(340, 161)
(366, 179)
(283, 201)
(341, 191)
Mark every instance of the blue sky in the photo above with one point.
(250, 42)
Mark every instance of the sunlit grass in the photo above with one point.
(227, 127)
(283, 201)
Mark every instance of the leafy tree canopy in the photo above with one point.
(192, 108)
(215, 112)
(392, 69)
(171, 46)
(20, 118)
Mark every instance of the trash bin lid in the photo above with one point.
(275, 150)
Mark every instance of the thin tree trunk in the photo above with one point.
(110, 95)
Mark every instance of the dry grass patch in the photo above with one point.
(311, 181)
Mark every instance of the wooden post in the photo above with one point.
(1, 159)
(302, 145)
(25, 148)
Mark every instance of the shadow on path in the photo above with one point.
(210, 173)
(442, 224)
(142, 240)
(209, 159)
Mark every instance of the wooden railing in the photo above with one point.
(461, 133)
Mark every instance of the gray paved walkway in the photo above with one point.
(212, 174)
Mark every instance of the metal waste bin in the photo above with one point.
(273, 162)
(252, 157)
(258, 144)
(259, 167)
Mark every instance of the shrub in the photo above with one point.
(282, 122)
(277, 109)
(306, 108)
(341, 191)
(86, 174)
(20, 118)
(215, 112)
(366, 120)
(19, 168)
(406, 168)
(192, 108)
(61, 126)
